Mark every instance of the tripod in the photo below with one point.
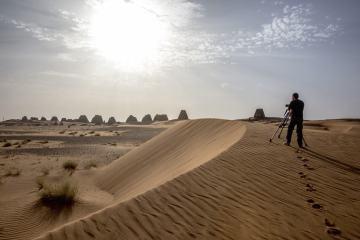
(282, 126)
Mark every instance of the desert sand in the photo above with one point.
(193, 179)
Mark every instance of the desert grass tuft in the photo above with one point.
(70, 165)
(58, 193)
(7, 144)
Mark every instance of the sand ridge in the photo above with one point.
(168, 155)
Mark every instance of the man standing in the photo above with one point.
(296, 108)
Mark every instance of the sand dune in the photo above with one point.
(168, 155)
(252, 190)
(215, 179)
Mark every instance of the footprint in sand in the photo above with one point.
(316, 206)
(310, 188)
(304, 159)
(302, 175)
(331, 229)
(308, 167)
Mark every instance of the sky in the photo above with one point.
(214, 58)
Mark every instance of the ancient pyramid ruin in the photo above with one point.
(83, 119)
(97, 120)
(131, 119)
(111, 121)
(160, 118)
(183, 115)
(259, 114)
(147, 119)
(54, 119)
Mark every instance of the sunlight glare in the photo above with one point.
(127, 34)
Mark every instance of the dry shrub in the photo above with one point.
(57, 193)
(7, 144)
(70, 165)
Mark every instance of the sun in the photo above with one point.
(127, 34)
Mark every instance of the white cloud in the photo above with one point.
(292, 28)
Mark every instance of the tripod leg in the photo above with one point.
(274, 134)
(306, 145)
(283, 126)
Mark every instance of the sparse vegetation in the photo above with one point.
(7, 144)
(70, 165)
(13, 172)
(59, 193)
(44, 142)
(97, 135)
(62, 132)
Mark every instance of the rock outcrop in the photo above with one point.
(147, 119)
(259, 114)
(183, 115)
(131, 119)
(83, 119)
(111, 121)
(160, 118)
(97, 120)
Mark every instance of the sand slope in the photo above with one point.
(253, 190)
(168, 155)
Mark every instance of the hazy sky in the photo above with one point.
(214, 58)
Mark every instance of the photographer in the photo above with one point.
(296, 108)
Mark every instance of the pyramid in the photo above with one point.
(259, 114)
(183, 115)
